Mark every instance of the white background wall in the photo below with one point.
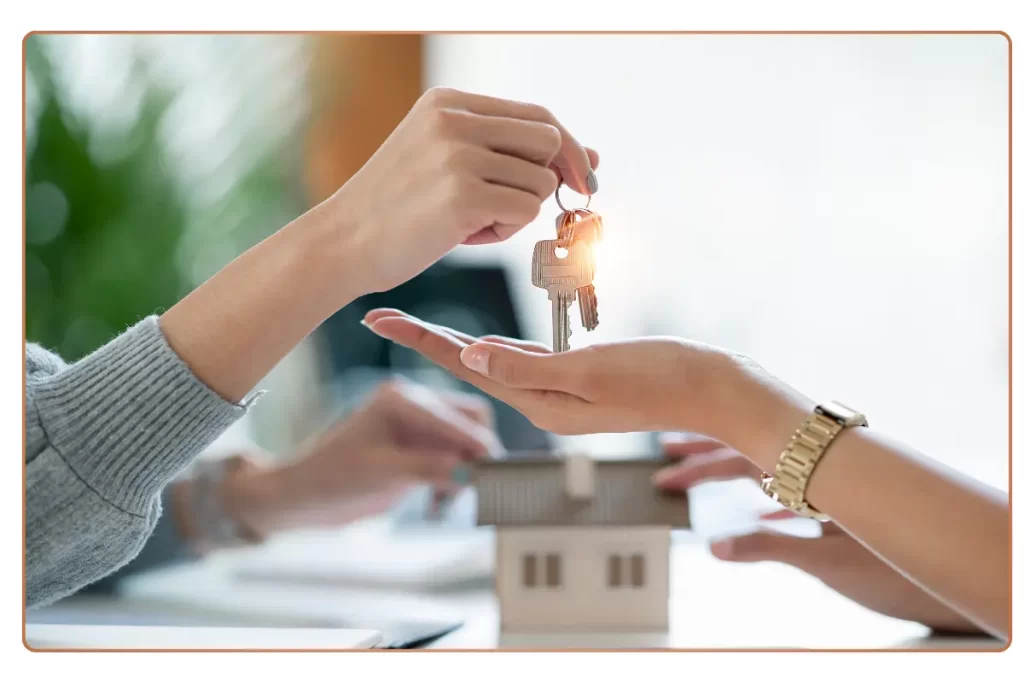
(860, 179)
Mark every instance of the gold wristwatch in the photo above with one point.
(796, 464)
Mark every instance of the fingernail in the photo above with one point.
(376, 331)
(722, 549)
(496, 449)
(476, 359)
(672, 437)
(592, 182)
(365, 324)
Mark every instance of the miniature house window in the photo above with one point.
(553, 565)
(614, 571)
(529, 570)
(552, 569)
(636, 570)
(618, 567)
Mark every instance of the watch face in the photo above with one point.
(843, 415)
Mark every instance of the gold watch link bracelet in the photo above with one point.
(801, 456)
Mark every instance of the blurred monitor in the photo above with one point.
(473, 298)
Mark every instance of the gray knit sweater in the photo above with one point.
(103, 436)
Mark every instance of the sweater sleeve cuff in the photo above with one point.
(130, 416)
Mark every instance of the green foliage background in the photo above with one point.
(100, 237)
(108, 226)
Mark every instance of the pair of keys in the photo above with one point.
(564, 267)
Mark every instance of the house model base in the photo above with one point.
(581, 545)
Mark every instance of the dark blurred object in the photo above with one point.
(101, 229)
(473, 299)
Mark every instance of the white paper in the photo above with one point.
(68, 637)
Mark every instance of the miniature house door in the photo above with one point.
(583, 578)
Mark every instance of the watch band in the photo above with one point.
(801, 456)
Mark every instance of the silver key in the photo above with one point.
(561, 277)
(588, 307)
(588, 229)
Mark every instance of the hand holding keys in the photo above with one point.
(564, 267)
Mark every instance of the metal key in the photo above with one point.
(588, 307)
(588, 226)
(565, 228)
(561, 277)
(587, 230)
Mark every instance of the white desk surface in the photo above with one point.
(713, 605)
(135, 637)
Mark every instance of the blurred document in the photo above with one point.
(371, 554)
(77, 637)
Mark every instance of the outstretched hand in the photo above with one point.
(650, 384)
(406, 434)
(836, 558)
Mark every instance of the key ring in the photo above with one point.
(566, 228)
(559, 201)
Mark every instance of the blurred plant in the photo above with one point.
(101, 228)
(115, 228)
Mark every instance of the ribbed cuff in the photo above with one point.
(130, 416)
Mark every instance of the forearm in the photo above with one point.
(238, 325)
(945, 532)
(166, 545)
(873, 583)
(103, 437)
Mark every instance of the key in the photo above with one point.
(588, 226)
(587, 229)
(588, 307)
(565, 228)
(561, 278)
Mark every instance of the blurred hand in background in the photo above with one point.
(836, 558)
(405, 435)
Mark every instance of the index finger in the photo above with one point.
(524, 345)
(574, 163)
(680, 445)
(473, 406)
(717, 465)
(439, 347)
(436, 423)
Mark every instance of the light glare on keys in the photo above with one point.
(565, 268)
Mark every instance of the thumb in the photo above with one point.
(765, 546)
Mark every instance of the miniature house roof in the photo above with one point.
(551, 491)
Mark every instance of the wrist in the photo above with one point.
(235, 327)
(756, 413)
(252, 498)
(225, 504)
(330, 262)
